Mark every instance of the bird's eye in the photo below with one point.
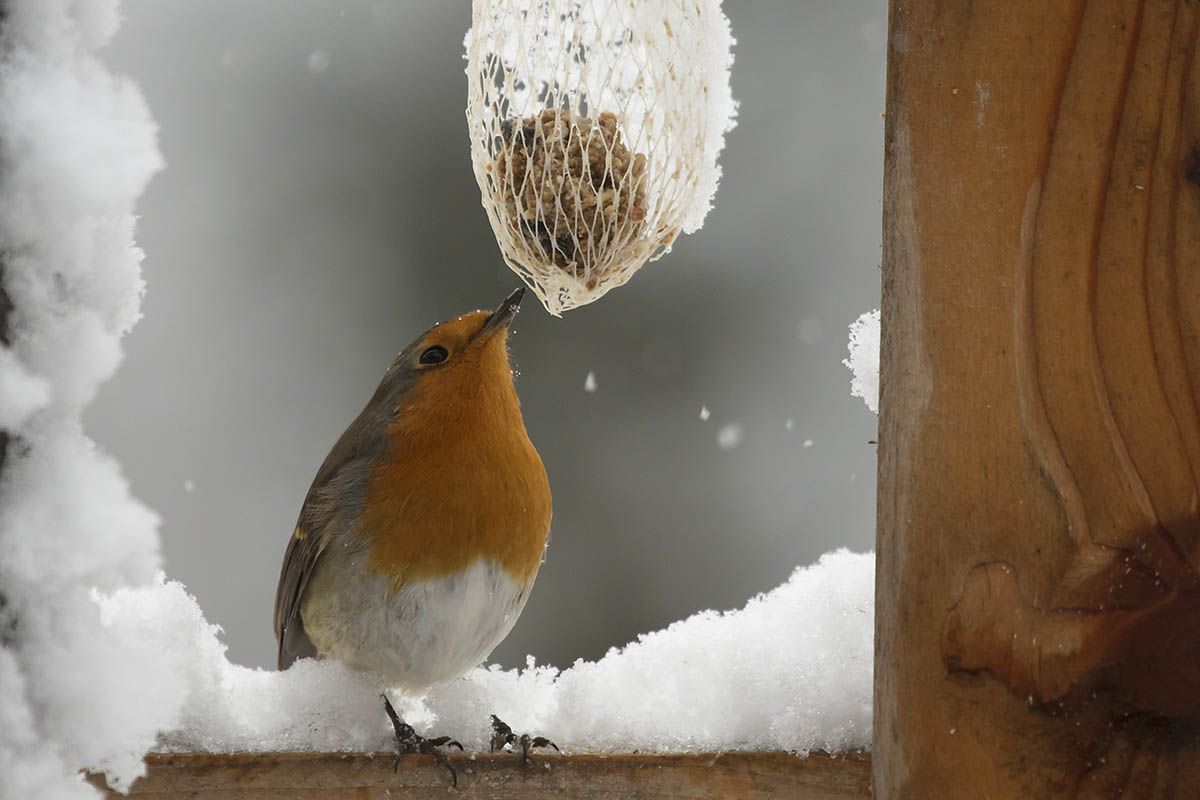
(434, 355)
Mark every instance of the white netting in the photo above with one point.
(595, 127)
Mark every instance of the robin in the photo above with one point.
(422, 533)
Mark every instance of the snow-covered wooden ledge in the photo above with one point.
(265, 776)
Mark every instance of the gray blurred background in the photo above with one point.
(318, 212)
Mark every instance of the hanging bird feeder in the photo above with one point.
(595, 127)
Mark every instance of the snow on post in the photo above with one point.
(77, 147)
(595, 128)
(864, 359)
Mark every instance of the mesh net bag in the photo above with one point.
(595, 127)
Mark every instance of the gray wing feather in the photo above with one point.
(333, 502)
(298, 562)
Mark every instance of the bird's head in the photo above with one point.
(454, 363)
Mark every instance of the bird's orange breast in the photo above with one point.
(460, 481)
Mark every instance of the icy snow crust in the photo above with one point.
(103, 659)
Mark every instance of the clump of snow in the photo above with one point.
(864, 359)
(589, 383)
(730, 436)
(318, 61)
(78, 147)
(789, 671)
(704, 413)
(808, 443)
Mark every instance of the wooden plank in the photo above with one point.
(1038, 592)
(313, 776)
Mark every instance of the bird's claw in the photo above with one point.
(443, 741)
(409, 741)
(503, 736)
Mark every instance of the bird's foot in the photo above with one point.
(409, 741)
(503, 737)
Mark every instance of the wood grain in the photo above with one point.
(1038, 593)
(315, 776)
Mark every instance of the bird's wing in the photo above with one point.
(332, 503)
(301, 556)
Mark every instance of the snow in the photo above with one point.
(102, 658)
(864, 359)
(789, 671)
(730, 436)
(318, 61)
(589, 383)
(704, 413)
(714, 60)
(21, 393)
(808, 443)
(78, 147)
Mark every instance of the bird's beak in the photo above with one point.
(503, 315)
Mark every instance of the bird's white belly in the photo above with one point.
(424, 633)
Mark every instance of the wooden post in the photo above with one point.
(1038, 595)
